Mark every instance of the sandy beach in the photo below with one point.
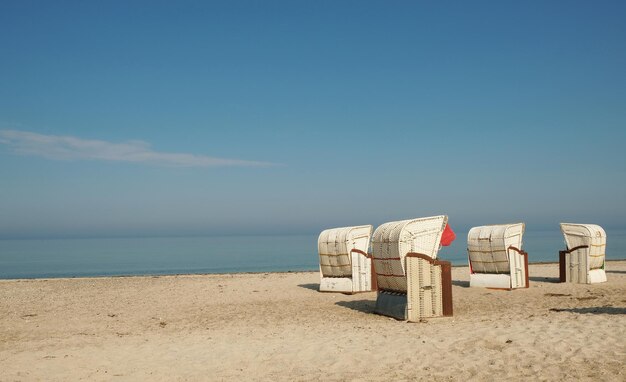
(277, 326)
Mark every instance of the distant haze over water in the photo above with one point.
(220, 254)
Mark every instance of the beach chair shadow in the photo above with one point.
(460, 283)
(554, 280)
(593, 310)
(363, 306)
(315, 287)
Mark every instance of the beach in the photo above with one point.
(277, 326)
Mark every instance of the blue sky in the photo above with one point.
(270, 117)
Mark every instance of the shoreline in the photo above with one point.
(152, 275)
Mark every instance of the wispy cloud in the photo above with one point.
(73, 148)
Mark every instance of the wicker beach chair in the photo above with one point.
(496, 259)
(584, 259)
(345, 265)
(412, 284)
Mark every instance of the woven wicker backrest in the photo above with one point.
(334, 246)
(487, 247)
(392, 241)
(591, 235)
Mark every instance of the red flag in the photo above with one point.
(448, 236)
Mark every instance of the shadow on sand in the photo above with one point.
(593, 310)
(554, 280)
(610, 271)
(459, 283)
(364, 306)
(315, 287)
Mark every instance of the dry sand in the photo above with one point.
(278, 327)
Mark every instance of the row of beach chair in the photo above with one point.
(399, 261)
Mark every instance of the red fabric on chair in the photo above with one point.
(448, 236)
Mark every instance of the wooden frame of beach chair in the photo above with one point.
(496, 259)
(412, 284)
(345, 265)
(584, 260)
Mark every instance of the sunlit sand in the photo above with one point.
(277, 326)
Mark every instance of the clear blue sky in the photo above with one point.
(176, 118)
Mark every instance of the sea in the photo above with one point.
(53, 258)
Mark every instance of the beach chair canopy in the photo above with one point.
(392, 241)
(334, 246)
(590, 235)
(488, 247)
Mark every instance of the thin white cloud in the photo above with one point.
(72, 148)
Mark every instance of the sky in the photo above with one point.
(151, 118)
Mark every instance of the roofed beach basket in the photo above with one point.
(345, 265)
(584, 259)
(412, 283)
(496, 258)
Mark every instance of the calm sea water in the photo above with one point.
(227, 254)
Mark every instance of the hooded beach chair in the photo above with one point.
(412, 283)
(496, 258)
(584, 259)
(345, 265)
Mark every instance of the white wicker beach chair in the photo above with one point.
(496, 259)
(412, 284)
(584, 259)
(345, 265)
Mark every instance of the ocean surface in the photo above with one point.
(223, 254)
